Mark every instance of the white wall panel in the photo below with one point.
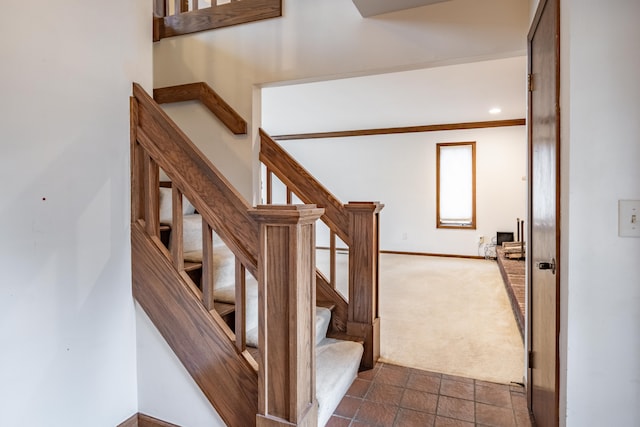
(67, 320)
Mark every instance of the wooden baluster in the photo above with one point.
(241, 304)
(269, 179)
(195, 5)
(286, 313)
(289, 196)
(180, 6)
(207, 266)
(160, 8)
(332, 259)
(177, 235)
(151, 196)
(364, 320)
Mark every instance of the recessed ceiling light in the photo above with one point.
(495, 110)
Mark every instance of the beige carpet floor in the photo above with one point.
(447, 315)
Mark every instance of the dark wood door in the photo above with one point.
(544, 203)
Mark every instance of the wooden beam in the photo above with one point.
(432, 254)
(404, 129)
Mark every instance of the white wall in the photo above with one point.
(399, 170)
(320, 39)
(166, 390)
(67, 320)
(600, 155)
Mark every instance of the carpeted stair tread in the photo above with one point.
(337, 364)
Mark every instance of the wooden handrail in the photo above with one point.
(357, 225)
(299, 182)
(185, 21)
(204, 93)
(275, 243)
(206, 188)
(304, 185)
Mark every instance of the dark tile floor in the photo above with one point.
(395, 396)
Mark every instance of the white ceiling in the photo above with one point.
(439, 95)
(378, 7)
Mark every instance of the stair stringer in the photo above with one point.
(325, 292)
(225, 377)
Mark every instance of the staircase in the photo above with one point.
(233, 288)
(337, 361)
(352, 226)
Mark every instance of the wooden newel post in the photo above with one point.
(363, 278)
(286, 313)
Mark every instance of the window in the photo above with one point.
(456, 185)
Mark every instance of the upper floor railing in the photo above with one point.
(178, 17)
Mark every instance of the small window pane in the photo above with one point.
(456, 185)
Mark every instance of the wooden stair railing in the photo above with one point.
(178, 17)
(357, 225)
(191, 172)
(273, 244)
(204, 93)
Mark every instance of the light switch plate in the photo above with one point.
(629, 218)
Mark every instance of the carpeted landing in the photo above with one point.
(448, 315)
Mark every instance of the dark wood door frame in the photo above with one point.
(554, 6)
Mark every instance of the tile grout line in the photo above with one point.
(410, 374)
(363, 399)
(475, 404)
(435, 419)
